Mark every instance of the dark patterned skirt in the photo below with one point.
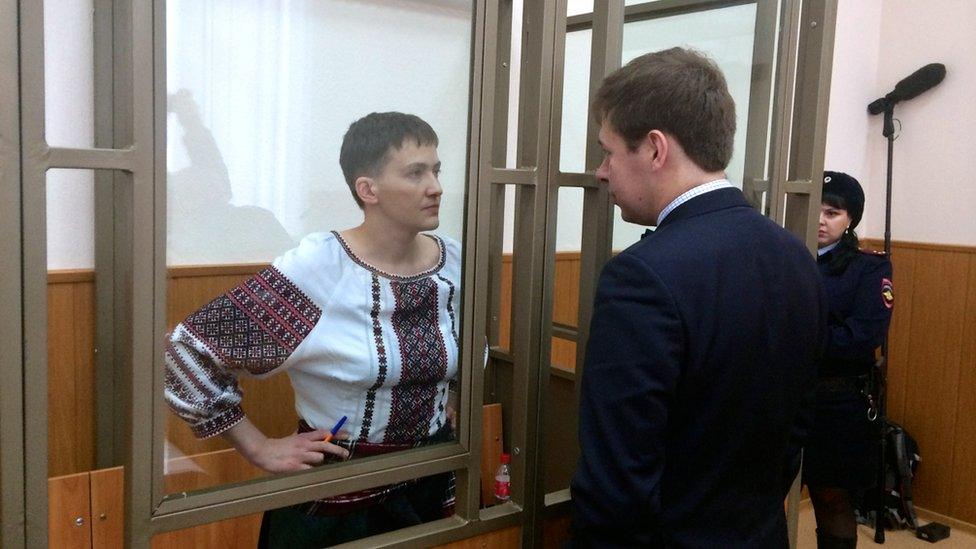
(842, 448)
(370, 512)
(419, 501)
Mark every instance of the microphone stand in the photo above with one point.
(881, 370)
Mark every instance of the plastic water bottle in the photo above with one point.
(503, 480)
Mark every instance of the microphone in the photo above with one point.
(910, 87)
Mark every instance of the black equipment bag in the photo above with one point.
(901, 463)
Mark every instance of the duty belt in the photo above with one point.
(845, 383)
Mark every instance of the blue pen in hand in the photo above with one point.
(335, 429)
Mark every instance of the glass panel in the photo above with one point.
(75, 396)
(576, 91)
(505, 296)
(561, 444)
(727, 36)
(499, 374)
(565, 312)
(358, 308)
(326, 522)
(579, 7)
(236, 532)
(515, 76)
(69, 89)
(71, 321)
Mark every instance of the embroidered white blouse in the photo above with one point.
(355, 341)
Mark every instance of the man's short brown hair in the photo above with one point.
(677, 91)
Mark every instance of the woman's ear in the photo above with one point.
(366, 190)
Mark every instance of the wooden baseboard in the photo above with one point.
(923, 514)
(955, 524)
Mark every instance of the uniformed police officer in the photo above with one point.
(841, 453)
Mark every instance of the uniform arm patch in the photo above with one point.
(887, 293)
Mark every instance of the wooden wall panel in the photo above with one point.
(492, 444)
(505, 307)
(71, 373)
(189, 288)
(68, 502)
(561, 441)
(200, 471)
(509, 538)
(71, 383)
(556, 532)
(931, 372)
(933, 357)
(962, 502)
(932, 369)
(216, 468)
(235, 532)
(107, 508)
(563, 354)
(565, 308)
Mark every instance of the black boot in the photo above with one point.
(826, 541)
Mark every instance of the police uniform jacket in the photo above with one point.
(703, 340)
(860, 302)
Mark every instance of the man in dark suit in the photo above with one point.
(704, 333)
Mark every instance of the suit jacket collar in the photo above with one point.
(706, 203)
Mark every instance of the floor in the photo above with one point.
(958, 539)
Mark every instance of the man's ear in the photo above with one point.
(366, 189)
(659, 147)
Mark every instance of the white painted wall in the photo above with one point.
(261, 93)
(853, 81)
(878, 43)
(724, 34)
(69, 122)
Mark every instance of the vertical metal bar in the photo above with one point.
(147, 265)
(499, 45)
(549, 188)
(597, 210)
(34, 227)
(497, 231)
(805, 65)
(815, 49)
(531, 355)
(755, 179)
(814, 61)
(597, 241)
(11, 332)
(607, 47)
(160, 99)
(783, 106)
(107, 411)
(122, 215)
(474, 317)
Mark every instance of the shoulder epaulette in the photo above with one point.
(877, 253)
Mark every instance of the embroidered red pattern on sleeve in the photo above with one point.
(254, 328)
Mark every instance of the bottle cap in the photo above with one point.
(506, 458)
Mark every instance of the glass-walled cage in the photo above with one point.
(200, 229)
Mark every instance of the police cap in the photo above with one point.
(847, 189)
